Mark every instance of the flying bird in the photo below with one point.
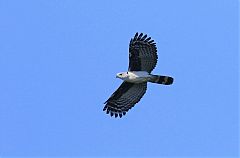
(142, 60)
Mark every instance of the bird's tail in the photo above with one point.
(166, 80)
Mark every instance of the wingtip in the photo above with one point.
(135, 36)
(113, 113)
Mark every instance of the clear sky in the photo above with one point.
(59, 58)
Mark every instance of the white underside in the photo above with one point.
(137, 77)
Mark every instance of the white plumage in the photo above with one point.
(134, 76)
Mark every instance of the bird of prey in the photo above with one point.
(142, 60)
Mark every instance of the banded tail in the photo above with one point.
(166, 80)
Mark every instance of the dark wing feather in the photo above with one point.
(124, 98)
(142, 53)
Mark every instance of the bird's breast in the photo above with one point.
(137, 77)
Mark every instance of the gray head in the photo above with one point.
(122, 75)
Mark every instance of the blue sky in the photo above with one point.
(58, 61)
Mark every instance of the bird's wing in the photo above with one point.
(142, 53)
(124, 98)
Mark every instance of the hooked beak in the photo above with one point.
(117, 76)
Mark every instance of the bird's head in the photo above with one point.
(122, 75)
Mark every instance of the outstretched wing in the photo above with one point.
(124, 98)
(142, 53)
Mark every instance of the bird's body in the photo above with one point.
(134, 76)
(142, 60)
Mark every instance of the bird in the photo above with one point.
(142, 60)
